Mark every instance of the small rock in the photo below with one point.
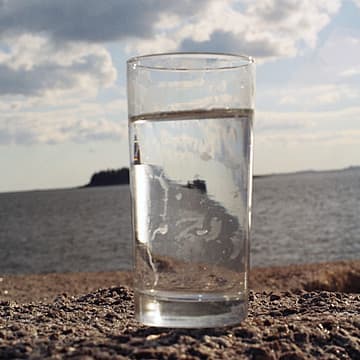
(152, 337)
(244, 333)
(267, 322)
(274, 297)
(301, 337)
(293, 355)
(257, 353)
(289, 311)
(223, 343)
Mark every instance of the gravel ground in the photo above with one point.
(281, 325)
(342, 276)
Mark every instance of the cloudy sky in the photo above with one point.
(62, 79)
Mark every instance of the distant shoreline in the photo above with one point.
(304, 172)
(121, 176)
(257, 176)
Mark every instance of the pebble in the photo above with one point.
(274, 297)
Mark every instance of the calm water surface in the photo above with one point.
(297, 218)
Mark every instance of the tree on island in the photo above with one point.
(109, 177)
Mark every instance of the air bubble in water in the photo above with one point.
(163, 229)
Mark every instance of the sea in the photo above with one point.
(297, 218)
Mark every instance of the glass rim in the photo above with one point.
(244, 61)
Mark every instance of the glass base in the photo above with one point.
(164, 309)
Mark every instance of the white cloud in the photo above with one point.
(59, 47)
(85, 122)
(50, 49)
(317, 95)
(268, 22)
(51, 59)
(266, 29)
(341, 137)
(350, 72)
(339, 55)
(34, 66)
(297, 127)
(90, 20)
(299, 20)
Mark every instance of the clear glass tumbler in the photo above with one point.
(190, 136)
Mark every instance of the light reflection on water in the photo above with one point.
(302, 218)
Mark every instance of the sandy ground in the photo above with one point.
(100, 325)
(295, 312)
(341, 276)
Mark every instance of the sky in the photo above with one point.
(63, 107)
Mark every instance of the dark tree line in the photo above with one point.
(109, 177)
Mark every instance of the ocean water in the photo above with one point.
(297, 218)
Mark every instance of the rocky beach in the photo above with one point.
(296, 312)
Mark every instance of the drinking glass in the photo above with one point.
(191, 141)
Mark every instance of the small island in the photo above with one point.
(109, 178)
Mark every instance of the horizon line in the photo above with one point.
(255, 176)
